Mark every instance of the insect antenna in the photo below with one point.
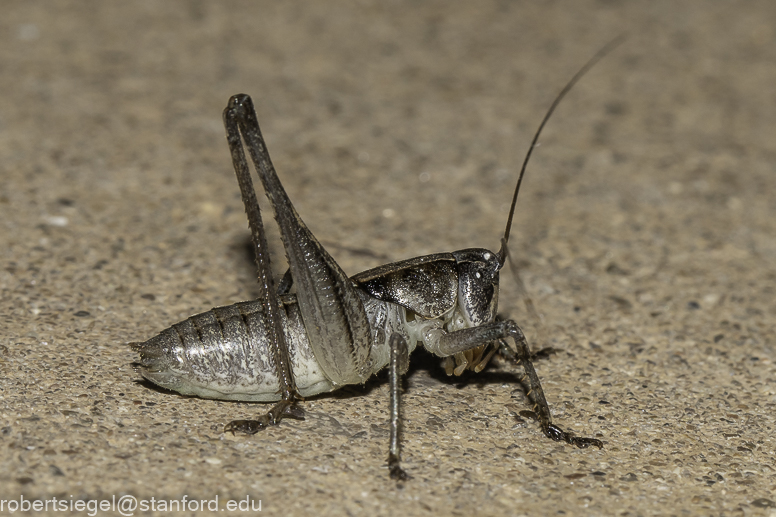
(582, 71)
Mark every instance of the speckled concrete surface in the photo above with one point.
(645, 235)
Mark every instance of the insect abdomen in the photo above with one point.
(224, 353)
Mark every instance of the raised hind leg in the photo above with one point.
(267, 292)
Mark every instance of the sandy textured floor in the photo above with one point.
(645, 236)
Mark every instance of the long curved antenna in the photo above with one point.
(582, 71)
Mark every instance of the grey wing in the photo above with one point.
(428, 285)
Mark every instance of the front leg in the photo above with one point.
(466, 339)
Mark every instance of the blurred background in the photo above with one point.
(644, 234)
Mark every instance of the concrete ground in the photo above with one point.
(644, 234)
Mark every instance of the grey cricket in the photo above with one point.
(334, 330)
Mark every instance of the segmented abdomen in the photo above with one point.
(224, 353)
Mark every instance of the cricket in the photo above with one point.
(318, 329)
